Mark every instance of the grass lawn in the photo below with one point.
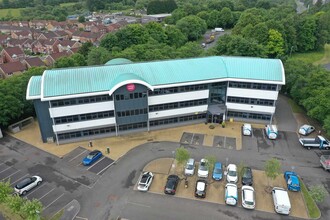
(295, 107)
(313, 210)
(316, 57)
(67, 4)
(14, 12)
(5, 211)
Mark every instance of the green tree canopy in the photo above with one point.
(272, 168)
(133, 34)
(182, 155)
(275, 44)
(98, 56)
(192, 26)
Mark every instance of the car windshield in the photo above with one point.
(90, 156)
(144, 179)
(203, 168)
(190, 167)
(232, 173)
(23, 183)
(217, 171)
(247, 174)
(248, 202)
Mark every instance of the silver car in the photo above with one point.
(145, 181)
(27, 184)
(190, 167)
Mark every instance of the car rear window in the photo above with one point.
(23, 183)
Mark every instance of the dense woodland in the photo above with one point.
(259, 28)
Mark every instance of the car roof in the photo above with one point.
(294, 179)
(218, 165)
(172, 177)
(248, 194)
(232, 167)
(23, 182)
(201, 185)
(231, 189)
(94, 152)
(306, 126)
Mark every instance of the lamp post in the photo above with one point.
(226, 161)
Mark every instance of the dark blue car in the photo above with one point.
(92, 157)
(217, 172)
(292, 180)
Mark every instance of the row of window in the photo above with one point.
(77, 101)
(174, 105)
(177, 119)
(135, 95)
(246, 115)
(85, 133)
(84, 117)
(164, 91)
(132, 112)
(250, 101)
(132, 126)
(246, 85)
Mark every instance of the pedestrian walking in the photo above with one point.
(90, 144)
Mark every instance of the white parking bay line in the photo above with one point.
(11, 175)
(46, 194)
(96, 163)
(19, 179)
(139, 204)
(77, 155)
(105, 168)
(53, 201)
(36, 189)
(5, 169)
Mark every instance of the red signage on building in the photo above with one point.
(130, 87)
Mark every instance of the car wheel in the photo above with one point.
(327, 148)
(38, 183)
(24, 192)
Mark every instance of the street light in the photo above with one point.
(226, 161)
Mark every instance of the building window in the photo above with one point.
(246, 85)
(132, 112)
(250, 101)
(84, 117)
(132, 126)
(175, 105)
(177, 119)
(246, 115)
(171, 90)
(78, 101)
(84, 133)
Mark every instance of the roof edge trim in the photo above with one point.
(122, 83)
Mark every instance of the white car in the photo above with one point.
(248, 197)
(232, 173)
(27, 184)
(247, 129)
(190, 167)
(306, 129)
(231, 194)
(145, 181)
(203, 169)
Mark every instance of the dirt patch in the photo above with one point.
(215, 191)
(160, 166)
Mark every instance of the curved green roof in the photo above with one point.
(118, 61)
(34, 87)
(102, 79)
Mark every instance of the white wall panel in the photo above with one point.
(81, 109)
(177, 112)
(83, 125)
(250, 108)
(178, 97)
(252, 93)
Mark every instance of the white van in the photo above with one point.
(271, 131)
(190, 167)
(281, 200)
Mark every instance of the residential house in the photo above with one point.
(70, 32)
(51, 58)
(38, 24)
(9, 69)
(7, 29)
(83, 36)
(48, 35)
(26, 34)
(3, 39)
(12, 54)
(99, 29)
(33, 62)
(16, 43)
(62, 35)
(28, 45)
(66, 45)
(48, 46)
(55, 25)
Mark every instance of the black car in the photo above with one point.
(200, 190)
(247, 177)
(171, 184)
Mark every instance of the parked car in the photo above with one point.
(317, 142)
(292, 181)
(200, 190)
(281, 201)
(247, 177)
(217, 171)
(145, 181)
(171, 184)
(219, 29)
(306, 129)
(190, 167)
(271, 131)
(27, 184)
(231, 195)
(92, 157)
(232, 173)
(247, 129)
(248, 197)
(203, 169)
(325, 162)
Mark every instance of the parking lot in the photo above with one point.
(52, 197)
(76, 156)
(215, 191)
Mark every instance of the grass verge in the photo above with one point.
(326, 57)
(7, 214)
(295, 107)
(12, 12)
(313, 210)
(316, 57)
(57, 216)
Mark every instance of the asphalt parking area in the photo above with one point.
(76, 156)
(192, 139)
(52, 198)
(224, 142)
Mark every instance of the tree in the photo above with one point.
(190, 49)
(31, 209)
(63, 62)
(210, 162)
(81, 19)
(109, 41)
(85, 48)
(275, 44)
(226, 18)
(177, 14)
(272, 168)
(182, 155)
(98, 56)
(306, 28)
(5, 191)
(174, 36)
(161, 6)
(79, 59)
(132, 35)
(156, 31)
(192, 26)
(15, 203)
(318, 193)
